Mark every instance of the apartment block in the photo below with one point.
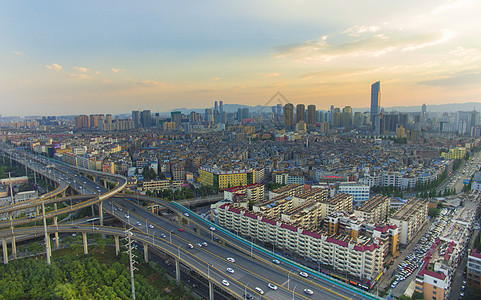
(375, 210)
(226, 179)
(410, 218)
(474, 268)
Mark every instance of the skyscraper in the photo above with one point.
(375, 100)
(176, 117)
(221, 107)
(311, 114)
(300, 113)
(136, 118)
(288, 115)
(216, 108)
(146, 118)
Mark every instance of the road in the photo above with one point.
(253, 266)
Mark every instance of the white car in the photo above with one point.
(259, 290)
(186, 214)
(151, 226)
(272, 286)
(231, 259)
(308, 291)
(127, 216)
(139, 224)
(204, 244)
(225, 282)
(276, 261)
(190, 246)
(230, 270)
(199, 245)
(212, 228)
(303, 274)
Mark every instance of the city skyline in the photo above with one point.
(75, 58)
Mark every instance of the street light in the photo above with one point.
(245, 291)
(153, 235)
(293, 291)
(288, 278)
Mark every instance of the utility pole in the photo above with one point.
(128, 234)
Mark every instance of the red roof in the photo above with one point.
(250, 215)
(475, 254)
(337, 242)
(432, 274)
(315, 235)
(290, 227)
(237, 211)
(269, 221)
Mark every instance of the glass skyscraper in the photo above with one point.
(375, 100)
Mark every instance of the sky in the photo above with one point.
(84, 57)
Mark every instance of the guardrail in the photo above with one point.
(281, 258)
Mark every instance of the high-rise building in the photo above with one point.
(311, 114)
(136, 118)
(288, 115)
(216, 107)
(208, 116)
(279, 109)
(221, 107)
(176, 117)
(82, 121)
(300, 113)
(146, 118)
(245, 113)
(347, 116)
(94, 121)
(375, 100)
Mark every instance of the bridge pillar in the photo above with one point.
(5, 252)
(211, 290)
(64, 193)
(152, 207)
(177, 270)
(14, 247)
(146, 252)
(117, 246)
(101, 213)
(37, 210)
(10, 216)
(94, 179)
(48, 251)
(84, 239)
(105, 183)
(55, 223)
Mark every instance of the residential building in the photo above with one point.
(410, 218)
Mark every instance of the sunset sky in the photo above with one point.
(83, 57)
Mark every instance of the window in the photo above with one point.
(435, 287)
(434, 292)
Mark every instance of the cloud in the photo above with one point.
(272, 75)
(18, 52)
(80, 76)
(372, 45)
(357, 30)
(340, 72)
(81, 69)
(115, 70)
(455, 80)
(216, 78)
(54, 67)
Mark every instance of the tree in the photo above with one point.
(149, 173)
(417, 296)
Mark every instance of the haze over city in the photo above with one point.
(60, 57)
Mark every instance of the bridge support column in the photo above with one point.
(101, 213)
(146, 252)
(48, 251)
(152, 207)
(211, 290)
(14, 247)
(84, 239)
(5, 252)
(105, 183)
(64, 193)
(37, 210)
(177, 270)
(117, 246)
(10, 216)
(55, 223)
(94, 179)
